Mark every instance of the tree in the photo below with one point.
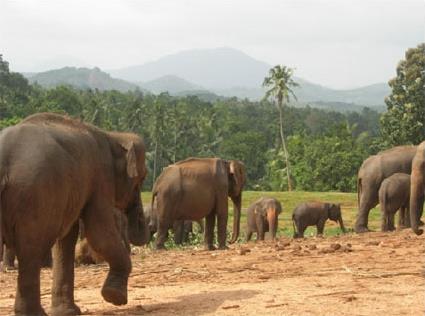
(404, 122)
(280, 84)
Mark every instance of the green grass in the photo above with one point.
(290, 200)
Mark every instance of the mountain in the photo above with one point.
(171, 84)
(218, 68)
(230, 72)
(81, 78)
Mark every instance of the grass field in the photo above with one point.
(291, 199)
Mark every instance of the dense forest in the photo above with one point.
(325, 148)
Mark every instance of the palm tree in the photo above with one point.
(279, 83)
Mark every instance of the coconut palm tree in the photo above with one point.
(279, 83)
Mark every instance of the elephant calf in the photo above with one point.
(315, 213)
(262, 217)
(394, 194)
(181, 228)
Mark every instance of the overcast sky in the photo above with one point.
(337, 43)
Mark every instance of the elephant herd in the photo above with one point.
(61, 178)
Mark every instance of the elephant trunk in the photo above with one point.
(138, 231)
(272, 220)
(237, 203)
(416, 199)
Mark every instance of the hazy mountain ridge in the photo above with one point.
(210, 74)
(81, 78)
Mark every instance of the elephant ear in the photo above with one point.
(131, 159)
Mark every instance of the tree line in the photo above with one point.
(325, 148)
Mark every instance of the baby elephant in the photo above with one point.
(315, 213)
(262, 217)
(394, 194)
(181, 228)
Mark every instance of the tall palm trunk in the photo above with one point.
(285, 150)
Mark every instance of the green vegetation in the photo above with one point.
(404, 122)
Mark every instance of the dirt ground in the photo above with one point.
(370, 274)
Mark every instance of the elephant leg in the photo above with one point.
(63, 275)
(384, 222)
(209, 231)
(162, 235)
(320, 227)
(222, 215)
(391, 225)
(301, 229)
(29, 256)
(178, 230)
(259, 223)
(368, 200)
(401, 218)
(248, 235)
(9, 259)
(104, 237)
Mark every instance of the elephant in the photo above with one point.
(371, 174)
(262, 217)
(181, 228)
(53, 171)
(85, 254)
(315, 213)
(417, 189)
(196, 188)
(394, 195)
(9, 256)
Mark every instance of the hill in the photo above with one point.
(171, 84)
(81, 78)
(229, 72)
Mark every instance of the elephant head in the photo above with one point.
(130, 171)
(237, 178)
(417, 187)
(334, 214)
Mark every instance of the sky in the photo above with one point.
(337, 43)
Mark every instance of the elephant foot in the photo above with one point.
(223, 247)
(210, 247)
(65, 309)
(115, 290)
(35, 312)
(7, 268)
(361, 229)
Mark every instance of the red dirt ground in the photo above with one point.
(380, 274)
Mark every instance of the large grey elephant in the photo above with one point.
(262, 217)
(417, 188)
(196, 188)
(53, 171)
(371, 174)
(394, 195)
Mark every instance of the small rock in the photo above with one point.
(348, 245)
(296, 247)
(372, 243)
(335, 246)
(312, 247)
(178, 270)
(243, 251)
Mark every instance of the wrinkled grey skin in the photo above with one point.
(372, 172)
(394, 195)
(262, 217)
(315, 213)
(181, 228)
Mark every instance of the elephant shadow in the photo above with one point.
(194, 304)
